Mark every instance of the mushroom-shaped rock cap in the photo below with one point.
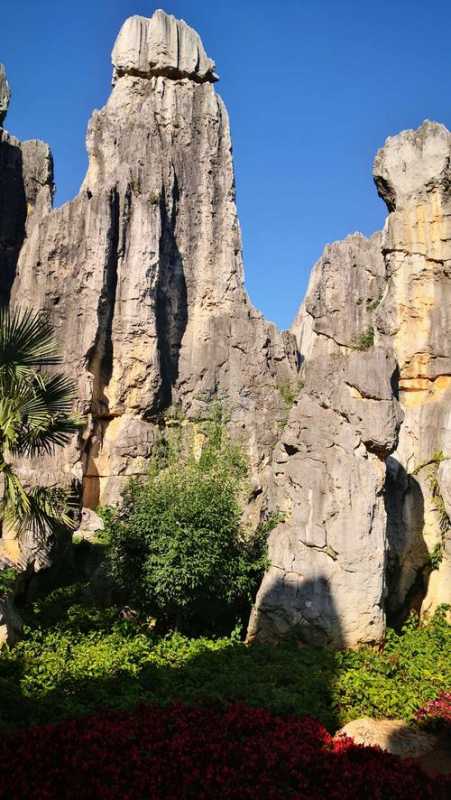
(5, 94)
(412, 163)
(161, 45)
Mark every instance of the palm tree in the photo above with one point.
(35, 417)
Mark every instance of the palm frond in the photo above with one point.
(56, 392)
(14, 500)
(10, 420)
(45, 511)
(42, 440)
(26, 342)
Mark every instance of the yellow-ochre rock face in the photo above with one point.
(412, 174)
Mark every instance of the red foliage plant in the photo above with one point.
(438, 710)
(179, 752)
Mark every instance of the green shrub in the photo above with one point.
(412, 668)
(177, 545)
(8, 577)
(89, 659)
(365, 340)
(289, 391)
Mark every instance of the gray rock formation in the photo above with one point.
(412, 174)
(142, 273)
(26, 191)
(142, 277)
(161, 45)
(326, 580)
(5, 94)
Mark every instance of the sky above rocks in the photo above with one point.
(313, 88)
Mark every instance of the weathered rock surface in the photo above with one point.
(142, 273)
(26, 191)
(391, 735)
(412, 174)
(5, 94)
(326, 580)
(142, 277)
(161, 45)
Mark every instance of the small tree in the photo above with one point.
(178, 546)
(34, 419)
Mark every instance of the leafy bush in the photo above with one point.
(365, 340)
(436, 712)
(8, 577)
(412, 668)
(202, 753)
(178, 543)
(90, 659)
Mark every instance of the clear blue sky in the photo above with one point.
(313, 88)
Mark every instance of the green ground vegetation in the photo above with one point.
(76, 658)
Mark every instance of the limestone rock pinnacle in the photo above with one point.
(413, 175)
(5, 94)
(161, 45)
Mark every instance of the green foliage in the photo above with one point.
(289, 391)
(178, 543)
(436, 556)
(365, 340)
(34, 418)
(412, 668)
(436, 458)
(8, 578)
(433, 463)
(76, 659)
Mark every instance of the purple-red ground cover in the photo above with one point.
(179, 752)
(438, 710)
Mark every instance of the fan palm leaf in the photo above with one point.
(34, 419)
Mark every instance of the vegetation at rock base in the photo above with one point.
(177, 544)
(34, 418)
(76, 659)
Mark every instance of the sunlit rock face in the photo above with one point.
(26, 190)
(142, 273)
(142, 277)
(412, 173)
(5, 94)
(327, 575)
(161, 45)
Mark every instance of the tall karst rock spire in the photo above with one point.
(26, 191)
(5, 94)
(413, 176)
(142, 273)
(142, 277)
(328, 557)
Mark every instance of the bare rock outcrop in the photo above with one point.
(161, 45)
(326, 581)
(142, 273)
(26, 191)
(142, 277)
(5, 94)
(392, 735)
(412, 174)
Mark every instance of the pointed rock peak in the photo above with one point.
(412, 163)
(161, 45)
(5, 94)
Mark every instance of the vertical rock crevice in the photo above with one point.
(171, 313)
